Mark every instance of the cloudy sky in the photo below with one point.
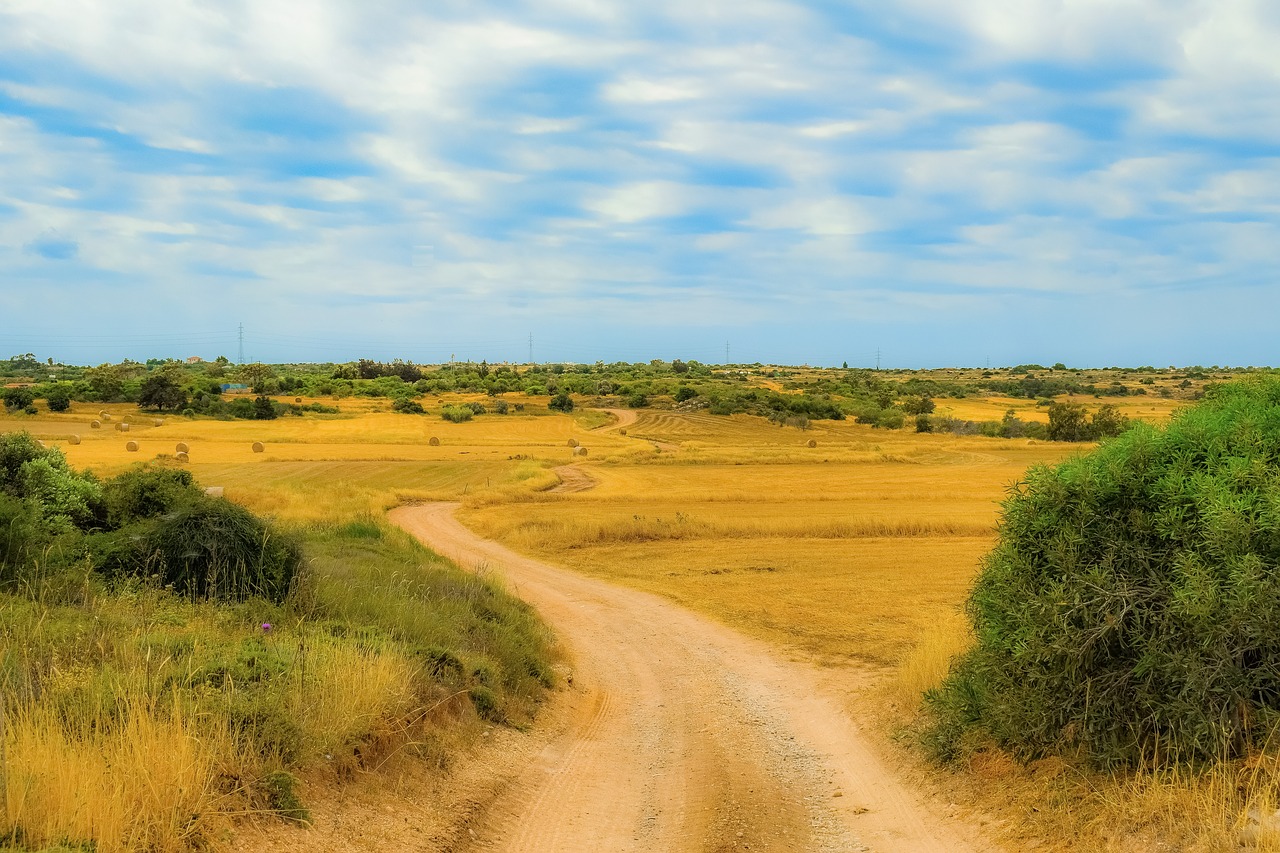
(1088, 181)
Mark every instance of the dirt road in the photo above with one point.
(678, 734)
(625, 418)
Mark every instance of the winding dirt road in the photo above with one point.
(678, 734)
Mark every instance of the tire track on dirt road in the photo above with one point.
(678, 734)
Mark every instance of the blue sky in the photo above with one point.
(1089, 181)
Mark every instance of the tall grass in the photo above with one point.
(137, 719)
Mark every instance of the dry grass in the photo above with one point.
(859, 550)
(142, 781)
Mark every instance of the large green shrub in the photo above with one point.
(210, 547)
(1130, 612)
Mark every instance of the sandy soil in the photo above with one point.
(678, 734)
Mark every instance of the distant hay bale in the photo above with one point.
(95, 425)
(73, 439)
(181, 447)
(579, 451)
(434, 442)
(105, 417)
(123, 427)
(622, 431)
(297, 399)
(812, 443)
(182, 456)
(573, 442)
(258, 447)
(159, 421)
(214, 491)
(131, 446)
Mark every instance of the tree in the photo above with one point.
(18, 398)
(561, 402)
(1128, 612)
(1067, 422)
(264, 409)
(678, 366)
(58, 398)
(106, 380)
(255, 376)
(161, 391)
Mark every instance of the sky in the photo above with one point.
(927, 183)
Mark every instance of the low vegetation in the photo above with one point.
(169, 660)
(1128, 612)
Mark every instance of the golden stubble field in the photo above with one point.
(856, 553)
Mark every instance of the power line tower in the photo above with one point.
(877, 358)
(531, 347)
(240, 355)
(726, 353)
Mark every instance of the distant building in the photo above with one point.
(195, 359)
(233, 386)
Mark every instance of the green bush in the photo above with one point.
(210, 548)
(145, 492)
(561, 402)
(1129, 611)
(408, 407)
(457, 414)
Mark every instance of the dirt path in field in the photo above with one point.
(572, 479)
(677, 734)
(626, 417)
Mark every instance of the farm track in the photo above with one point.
(572, 479)
(677, 734)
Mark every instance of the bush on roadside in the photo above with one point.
(1128, 612)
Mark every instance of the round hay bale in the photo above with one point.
(182, 456)
(812, 443)
(579, 451)
(181, 447)
(105, 417)
(434, 442)
(123, 427)
(95, 425)
(573, 442)
(131, 446)
(622, 431)
(118, 426)
(297, 399)
(159, 422)
(258, 447)
(73, 439)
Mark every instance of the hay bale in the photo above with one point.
(159, 422)
(573, 442)
(105, 417)
(181, 447)
(622, 431)
(214, 491)
(73, 439)
(297, 399)
(123, 427)
(131, 446)
(95, 425)
(434, 442)
(182, 456)
(258, 447)
(579, 451)
(812, 443)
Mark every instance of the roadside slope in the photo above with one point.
(681, 735)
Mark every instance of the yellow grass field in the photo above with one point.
(857, 552)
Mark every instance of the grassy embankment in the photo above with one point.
(136, 718)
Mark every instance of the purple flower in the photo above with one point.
(266, 626)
